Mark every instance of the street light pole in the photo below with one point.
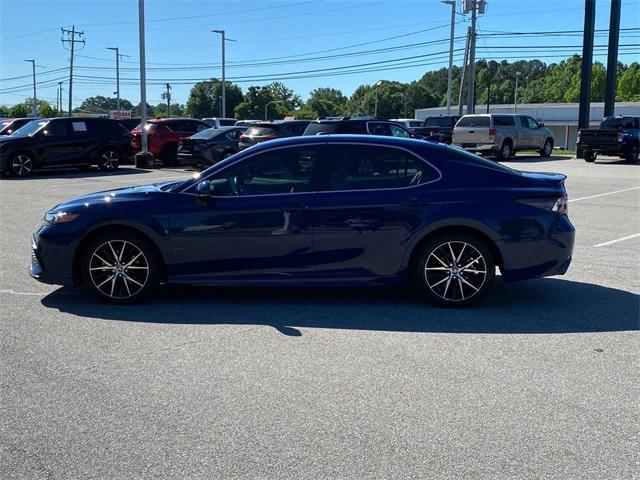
(266, 107)
(515, 94)
(224, 95)
(34, 112)
(117, 50)
(143, 77)
(375, 106)
(453, 29)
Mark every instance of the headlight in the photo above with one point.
(54, 218)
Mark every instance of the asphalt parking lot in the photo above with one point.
(540, 380)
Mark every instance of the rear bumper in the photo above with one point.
(544, 257)
(190, 158)
(612, 149)
(478, 147)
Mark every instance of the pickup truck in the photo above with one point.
(617, 136)
(437, 129)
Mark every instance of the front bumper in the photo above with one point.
(51, 263)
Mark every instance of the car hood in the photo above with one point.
(114, 196)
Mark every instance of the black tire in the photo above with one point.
(21, 164)
(506, 150)
(590, 157)
(547, 148)
(121, 267)
(632, 157)
(109, 159)
(459, 281)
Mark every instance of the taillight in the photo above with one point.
(578, 138)
(620, 137)
(551, 204)
(243, 138)
(492, 132)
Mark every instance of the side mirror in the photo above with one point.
(541, 124)
(203, 191)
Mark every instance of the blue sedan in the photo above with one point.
(336, 210)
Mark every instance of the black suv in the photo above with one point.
(357, 125)
(65, 141)
(263, 131)
(10, 125)
(438, 129)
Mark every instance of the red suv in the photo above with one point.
(163, 135)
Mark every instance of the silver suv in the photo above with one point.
(502, 135)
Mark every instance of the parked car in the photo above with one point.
(502, 135)
(61, 142)
(214, 122)
(357, 125)
(163, 135)
(408, 123)
(263, 131)
(438, 129)
(247, 123)
(617, 136)
(209, 146)
(10, 125)
(297, 211)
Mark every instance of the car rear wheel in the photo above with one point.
(21, 164)
(547, 149)
(590, 157)
(121, 267)
(455, 270)
(109, 159)
(505, 150)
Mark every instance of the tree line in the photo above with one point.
(495, 83)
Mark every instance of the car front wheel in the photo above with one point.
(455, 270)
(21, 164)
(547, 148)
(121, 267)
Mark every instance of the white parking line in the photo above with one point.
(628, 237)
(571, 200)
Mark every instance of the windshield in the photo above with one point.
(439, 121)
(30, 128)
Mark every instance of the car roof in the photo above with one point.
(173, 119)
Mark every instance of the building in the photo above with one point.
(561, 118)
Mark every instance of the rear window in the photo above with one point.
(619, 123)
(439, 121)
(503, 121)
(261, 130)
(474, 121)
(206, 134)
(330, 128)
(227, 123)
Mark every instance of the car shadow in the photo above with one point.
(536, 158)
(538, 306)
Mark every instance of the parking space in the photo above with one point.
(276, 383)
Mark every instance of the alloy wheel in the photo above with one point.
(22, 165)
(119, 269)
(547, 148)
(109, 160)
(506, 151)
(455, 271)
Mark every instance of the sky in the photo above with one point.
(286, 40)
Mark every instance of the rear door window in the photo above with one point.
(503, 121)
(378, 128)
(474, 121)
(56, 128)
(366, 167)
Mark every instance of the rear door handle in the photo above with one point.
(472, 131)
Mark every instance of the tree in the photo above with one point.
(325, 102)
(177, 110)
(100, 104)
(598, 79)
(256, 99)
(356, 103)
(205, 98)
(19, 110)
(629, 84)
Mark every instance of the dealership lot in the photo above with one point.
(538, 381)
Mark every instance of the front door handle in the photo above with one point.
(296, 207)
(415, 202)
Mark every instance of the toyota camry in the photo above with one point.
(335, 210)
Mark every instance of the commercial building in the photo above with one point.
(561, 118)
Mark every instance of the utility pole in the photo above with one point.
(60, 98)
(117, 92)
(488, 89)
(612, 59)
(587, 59)
(143, 78)
(167, 97)
(34, 112)
(471, 100)
(515, 94)
(72, 37)
(453, 29)
(224, 94)
(464, 68)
